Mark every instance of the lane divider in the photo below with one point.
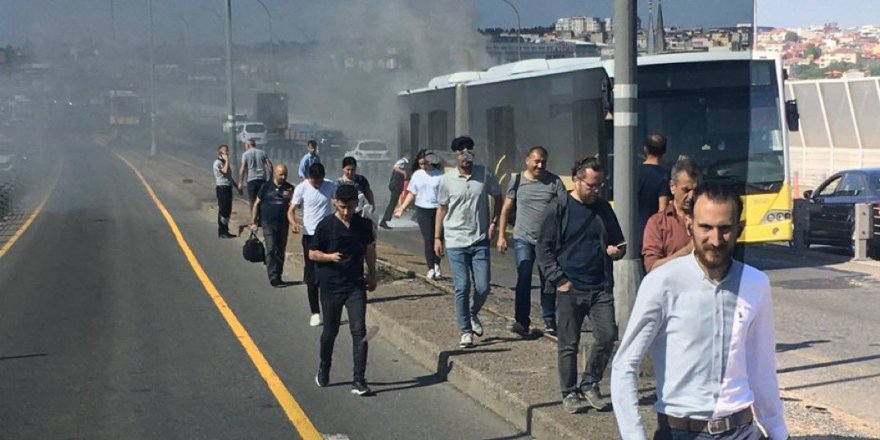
(30, 220)
(291, 408)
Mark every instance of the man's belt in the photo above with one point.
(714, 426)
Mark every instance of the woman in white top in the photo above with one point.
(423, 188)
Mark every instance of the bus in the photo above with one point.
(124, 108)
(725, 110)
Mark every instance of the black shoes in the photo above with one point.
(323, 376)
(384, 225)
(592, 396)
(360, 388)
(226, 235)
(549, 328)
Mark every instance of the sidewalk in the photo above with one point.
(513, 377)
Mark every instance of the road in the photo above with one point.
(107, 332)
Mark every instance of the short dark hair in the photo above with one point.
(348, 160)
(462, 143)
(346, 193)
(686, 166)
(222, 146)
(590, 162)
(312, 143)
(316, 170)
(538, 148)
(655, 144)
(719, 193)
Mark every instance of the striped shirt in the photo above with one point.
(713, 347)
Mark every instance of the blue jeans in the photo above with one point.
(467, 261)
(524, 255)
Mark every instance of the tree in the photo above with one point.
(874, 71)
(792, 37)
(812, 52)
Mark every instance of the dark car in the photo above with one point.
(331, 143)
(830, 210)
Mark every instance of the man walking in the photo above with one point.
(339, 247)
(653, 189)
(273, 204)
(578, 240)
(395, 185)
(528, 196)
(310, 158)
(256, 163)
(708, 322)
(666, 236)
(366, 201)
(463, 221)
(224, 183)
(316, 197)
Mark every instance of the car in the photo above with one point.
(245, 130)
(331, 143)
(369, 149)
(10, 172)
(828, 213)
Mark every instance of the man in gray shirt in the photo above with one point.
(528, 196)
(256, 163)
(463, 213)
(224, 183)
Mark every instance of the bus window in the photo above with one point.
(437, 130)
(502, 156)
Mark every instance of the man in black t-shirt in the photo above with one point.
(273, 205)
(341, 244)
(653, 189)
(577, 242)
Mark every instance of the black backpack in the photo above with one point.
(253, 249)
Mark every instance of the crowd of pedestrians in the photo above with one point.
(706, 318)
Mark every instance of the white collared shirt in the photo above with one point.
(713, 347)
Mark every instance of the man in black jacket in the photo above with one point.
(577, 242)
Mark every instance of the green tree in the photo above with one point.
(812, 52)
(792, 37)
(874, 71)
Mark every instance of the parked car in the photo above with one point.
(830, 210)
(252, 130)
(369, 149)
(331, 143)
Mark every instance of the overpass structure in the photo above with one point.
(839, 128)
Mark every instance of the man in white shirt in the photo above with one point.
(708, 321)
(315, 195)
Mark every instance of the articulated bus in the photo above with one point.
(124, 108)
(724, 110)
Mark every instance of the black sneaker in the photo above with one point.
(549, 328)
(518, 328)
(592, 397)
(360, 388)
(323, 376)
(226, 235)
(384, 225)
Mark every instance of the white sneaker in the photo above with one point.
(437, 275)
(315, 320)
(476, 325)
(467, 340)
(431, 274)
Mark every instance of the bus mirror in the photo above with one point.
(608, 96)
(808, 194)
(792, 117)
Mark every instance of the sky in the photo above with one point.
(201, 20)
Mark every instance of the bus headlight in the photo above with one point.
(776, 216)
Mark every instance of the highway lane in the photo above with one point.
(105, 332)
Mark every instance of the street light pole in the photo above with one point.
(518, 31)
(271, 47)
(152, 89)
(230, 98)
(627, 271)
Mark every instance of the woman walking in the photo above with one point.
(423, 187)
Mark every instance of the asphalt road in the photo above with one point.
(106, 332)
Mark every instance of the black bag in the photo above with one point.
(253, 249)
(511, 215)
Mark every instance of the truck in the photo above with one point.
(272, 110)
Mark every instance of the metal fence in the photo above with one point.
(838, 129)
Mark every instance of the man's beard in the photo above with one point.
(713, 257)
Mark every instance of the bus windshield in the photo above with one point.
(734, 134)
(126, 105)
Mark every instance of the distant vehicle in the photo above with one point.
(831, 209)
(369, 149)
(331, 143)
(10, 170)
(272, 110)
(124, 108)
(245, 130)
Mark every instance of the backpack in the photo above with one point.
(511, 215)
(253, 249)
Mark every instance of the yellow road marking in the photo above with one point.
(291, 408)
(27, 223)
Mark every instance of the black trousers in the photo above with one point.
(571, 309)
(310, 277)
(253, 188)
(224, 208)
(427, 219)
(355, 303)
(275, 237)
(392, 203)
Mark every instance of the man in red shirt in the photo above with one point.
(666, 236)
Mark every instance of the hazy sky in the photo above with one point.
(295, 19)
